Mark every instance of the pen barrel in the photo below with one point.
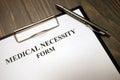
(83, 20)
(99, 29)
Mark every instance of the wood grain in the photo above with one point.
(15, 14)
(106, 14)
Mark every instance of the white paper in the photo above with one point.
(79, 56)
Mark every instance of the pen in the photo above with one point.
(83, 20)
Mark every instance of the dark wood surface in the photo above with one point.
(15, 14)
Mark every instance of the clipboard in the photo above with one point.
(52, 28)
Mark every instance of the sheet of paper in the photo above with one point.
(69, 52)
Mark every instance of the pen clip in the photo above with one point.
(54, 24)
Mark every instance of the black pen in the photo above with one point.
(83, 20)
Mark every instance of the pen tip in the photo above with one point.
(108, 34)
(105, 33)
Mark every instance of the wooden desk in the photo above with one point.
(15, 14)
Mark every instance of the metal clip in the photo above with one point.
(30, 26)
